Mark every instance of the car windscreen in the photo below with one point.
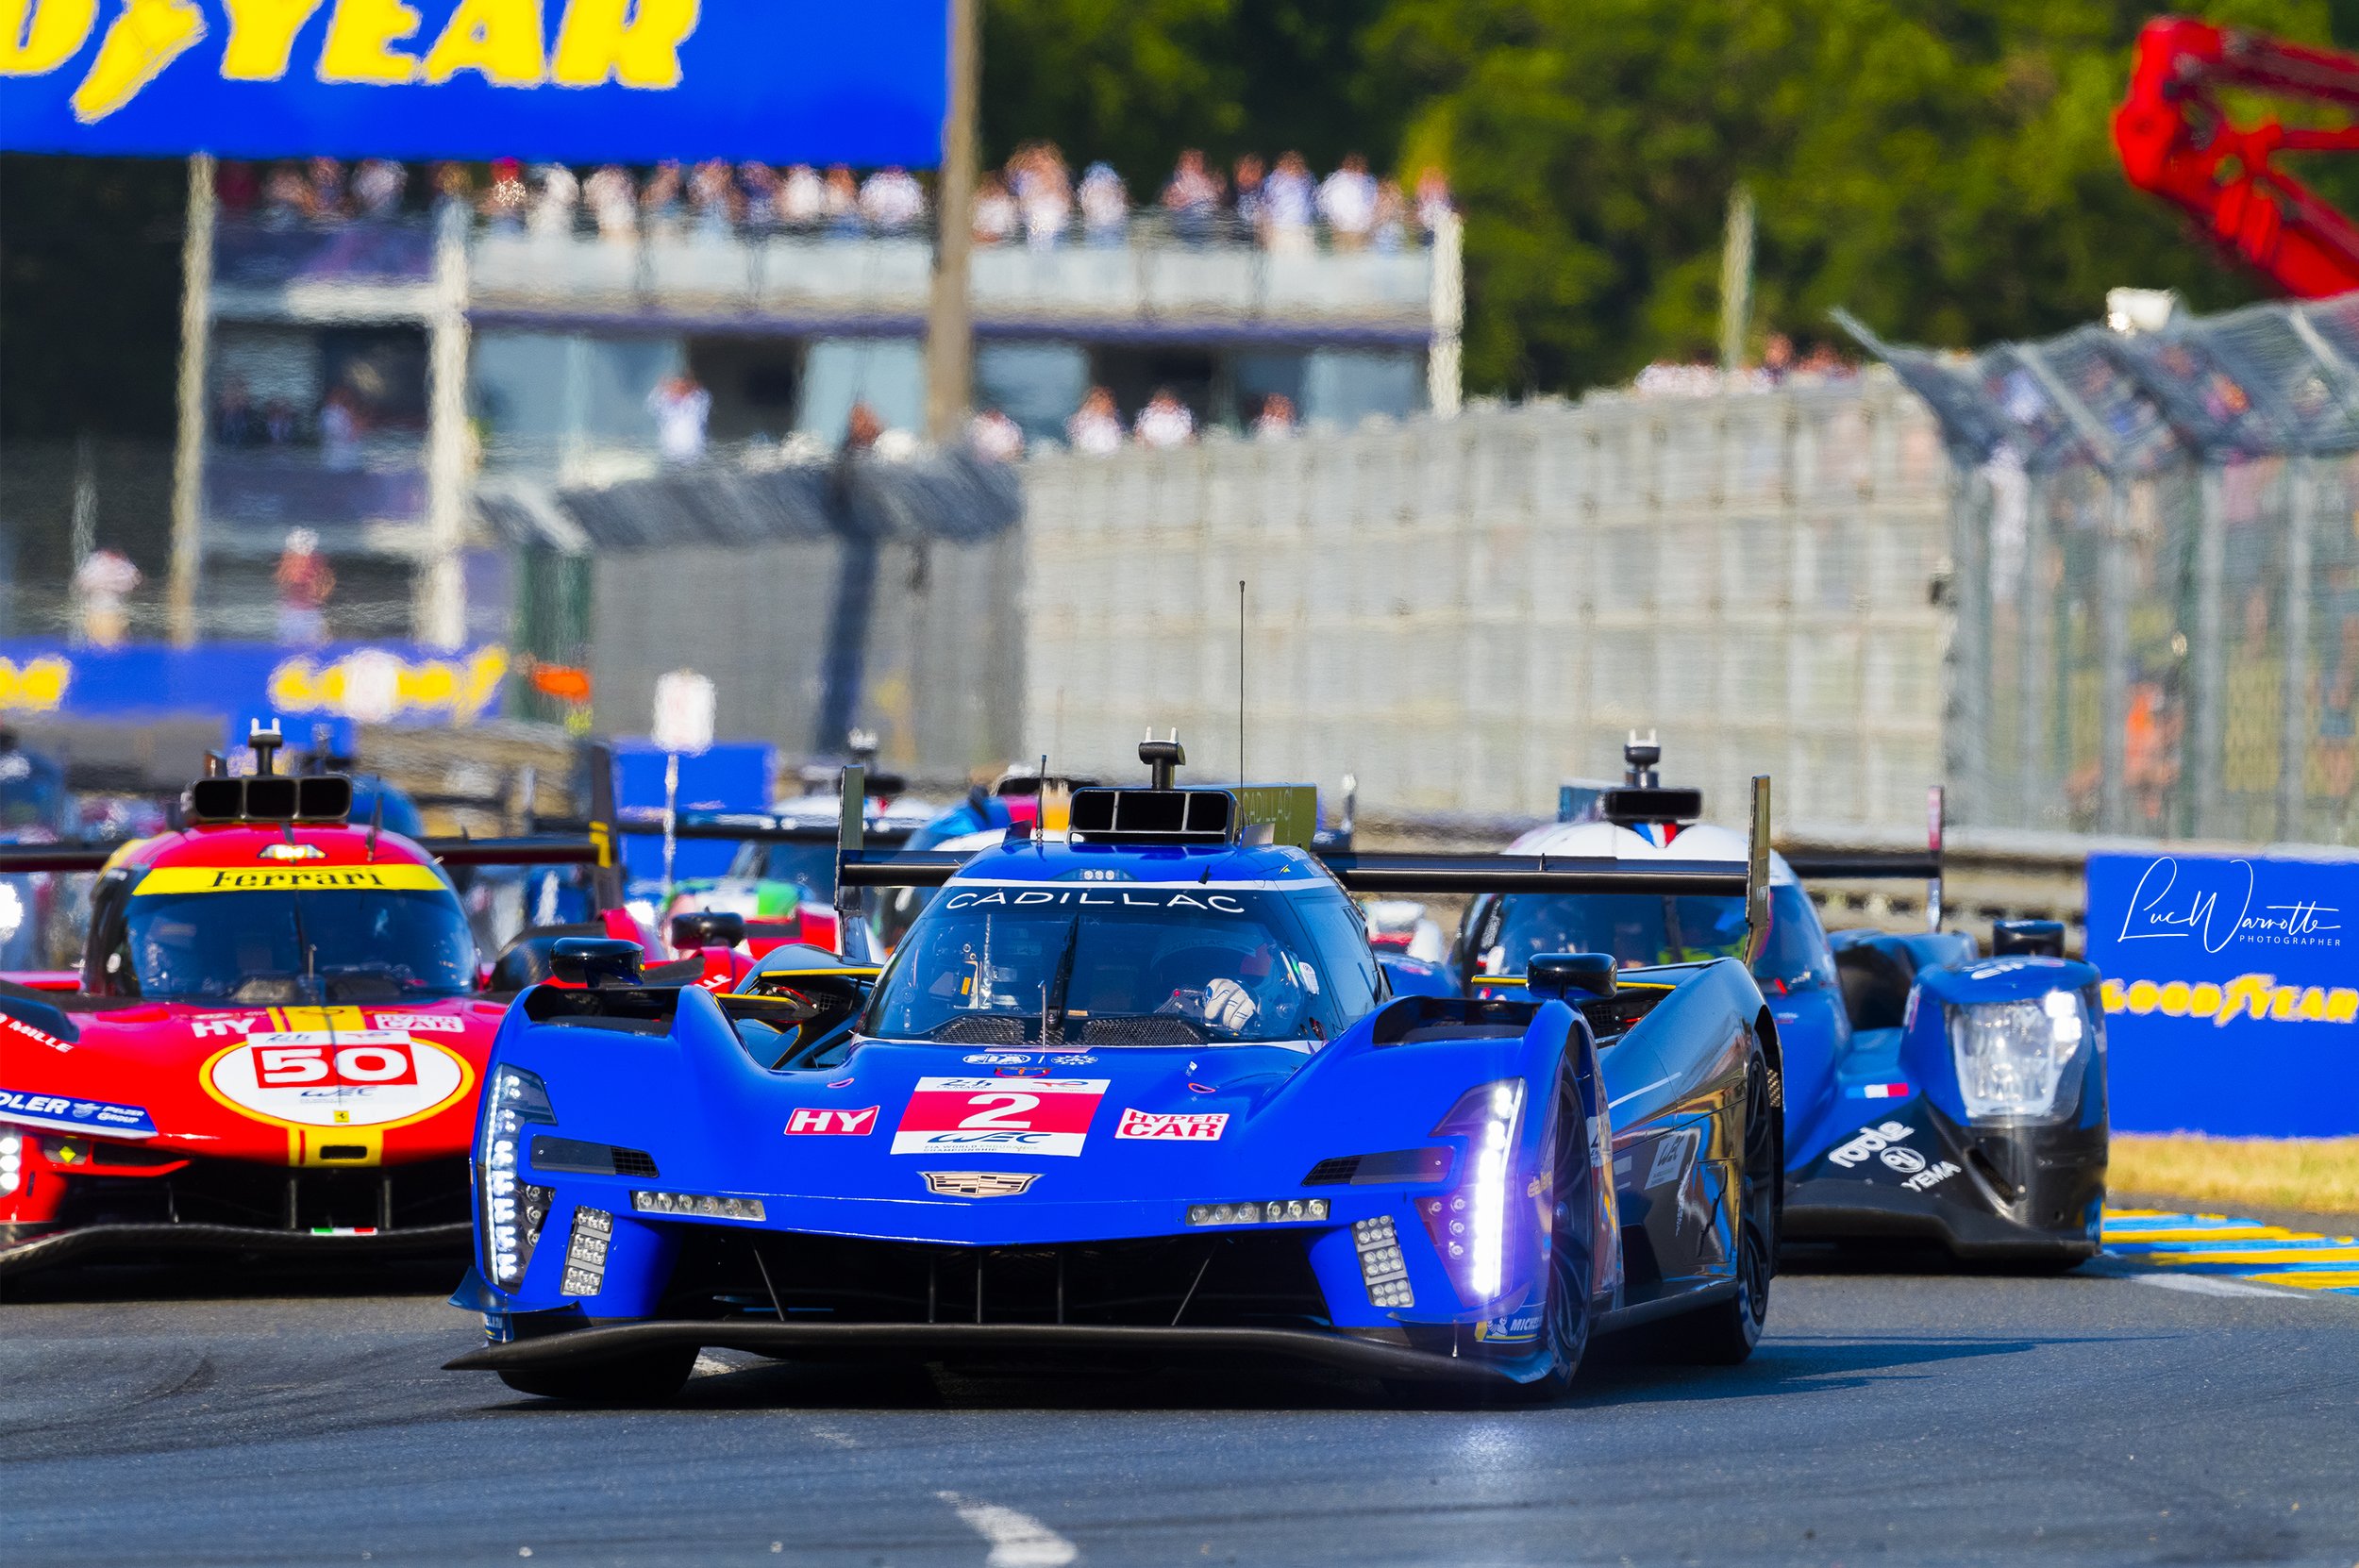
(1114, 964)
(1640, 928)
(277, 947)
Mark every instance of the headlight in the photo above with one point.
(2013, 1056)
(511, 1209)
(1469, 1226)
(11, 1160)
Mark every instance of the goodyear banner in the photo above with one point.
(2232, 992)
(359, 682)
(576, 82)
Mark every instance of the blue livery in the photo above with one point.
(1138, 1090)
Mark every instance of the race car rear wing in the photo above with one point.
(858, 867)
(1849, 865)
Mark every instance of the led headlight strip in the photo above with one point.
(1469, 1226)
(1381, 1265)
(585, 1254)
(511, 1209)
(1276, 1212)
(11, 1160)
(696, 1205)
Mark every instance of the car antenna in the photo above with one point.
(1242, 775)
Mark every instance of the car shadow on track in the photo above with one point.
(215, 1279)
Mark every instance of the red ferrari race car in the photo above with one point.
(275, 1039)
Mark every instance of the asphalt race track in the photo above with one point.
(1889, 1418)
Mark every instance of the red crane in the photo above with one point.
(2176, 140)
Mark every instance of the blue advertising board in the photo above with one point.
(2230, 991)
(576, 81)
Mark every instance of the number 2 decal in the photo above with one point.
(1010, 1105)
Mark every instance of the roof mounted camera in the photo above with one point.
(1641, 799)
(1163, 758)
(268, 795)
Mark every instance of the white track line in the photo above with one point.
(2203, 1284)
(1017, 1540)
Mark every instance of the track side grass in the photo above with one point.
(2319, 1176)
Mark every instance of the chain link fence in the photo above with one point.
(1464, 614)
(2157, 546)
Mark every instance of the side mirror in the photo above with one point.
(707, 928)
(1568, 974)
(2040, 938)
(593, 959)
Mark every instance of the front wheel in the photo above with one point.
(1725, 1332)
(1565, 1314)
(645, 1378)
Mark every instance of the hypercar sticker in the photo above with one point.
(838, 1124)
(422, 1023)
(72, 1115)
(376, 879)
(989, 1115)
(1179, 1127)
(323, 1078)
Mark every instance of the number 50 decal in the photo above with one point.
(340, 1067)
(987, 1116)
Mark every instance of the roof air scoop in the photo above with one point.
(1642, 800)
(1163, 758)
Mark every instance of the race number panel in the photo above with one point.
(337, 1078)
(999, 1115)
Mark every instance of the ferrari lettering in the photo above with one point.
(1173, 1127)
(841, 1124)
(378, 878)
(1045, 1117)
(1869, 1142)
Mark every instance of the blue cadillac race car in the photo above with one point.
(1138, 1090)
(1932, 1093)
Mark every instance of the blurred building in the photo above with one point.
(362, 375)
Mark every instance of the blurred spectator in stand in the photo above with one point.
(377, 187)
(1253, 197)
(328, 192)
(1276, 421)
(235, 422)
(1777, 358)
(613, 202)
(560, 192)
(803, 198)
(1289, 201)
(994, 437)
(713, 195)
(660, 201)
(1095, 427)
(1824, 364)
(284, 197)
(1348, 202)
(761, 184)
(1391, 232)
(1166, 421)
(995, 213)
(680, 407)
(454, 187)
(1192, 198)
(339, 432)
(306, 582)
(237, 188)
(1105, 205)
(280, 425)
(503, 204)
(842, 206)
(101, 583)
(1044, 189)
(1433, 203)
(892, 201)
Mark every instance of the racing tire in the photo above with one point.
(646, 1378)
(1725, 1333)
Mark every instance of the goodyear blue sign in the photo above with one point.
(579, 81)
(2232, 992)
(367, 682)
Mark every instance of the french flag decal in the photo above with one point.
(1880, 1091)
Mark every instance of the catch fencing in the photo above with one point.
(1465, 612)
(2158, 576)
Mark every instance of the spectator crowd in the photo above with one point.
(1033, 201)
